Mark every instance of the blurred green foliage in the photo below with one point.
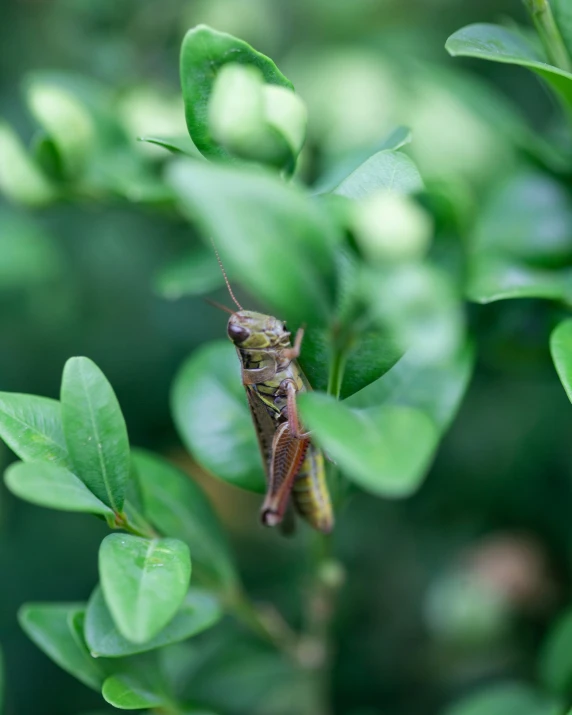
(450, 593)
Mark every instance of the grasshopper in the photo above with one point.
(272, 378)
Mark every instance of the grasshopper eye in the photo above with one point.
(237, 333)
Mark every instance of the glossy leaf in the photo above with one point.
(144, 582)
(506, 699)
(176, 145)
(51, 627)
(527, 218)
(385, 436)
(193, 273)
(561, 349)
(128, 693)
(177, 506)
(95, 431)
(211, 414)
(501, 44)
(199, 611)
(52, 486)
(494, 278)
(556, 657)
(384, 171)
(203, 53)
(397, 139)
(32, 427)
(271, 236)
(373, 355)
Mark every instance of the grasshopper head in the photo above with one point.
(250, 330)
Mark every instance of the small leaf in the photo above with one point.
(370, 434)
(203, 53)
(211, 414)
(556, 657)
(384, 171)
(32, 427)
(506, 699)
(51, 627)
(200, 610)
(95, 431)
(270, 235)
(501, 44)
(128, 693)
(194, 273)
(144, 582)
(176, 145)
(561, 349)
(177, 506)
(52, 486)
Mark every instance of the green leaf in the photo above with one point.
(128, 693)
(193, 273)
(95, 431)
(527, 218)
(555, 666)
(21, 179)
(370, 435)
(494, 278)
(203, 53)
(563, 15)
(32, 427)
(397, 139)
(144, 582)
(384, 171)
(372, 356)
(176, 145)
(561, 350)
(52, 486)
(211, 414)
(506, 699)
(200, 610)
(177, 506)
(52, 627)
(271, 236)
(501, 44)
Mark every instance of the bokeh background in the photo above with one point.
(450, 589)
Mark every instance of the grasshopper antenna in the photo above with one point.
(224, 275)
(220, 306)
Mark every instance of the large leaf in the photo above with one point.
(95, 431)
(372, 356)
(54, 487)
(127, 692)
(507, 699)
(563, 14)
(271, 236)
(561, 349)
(386, 170)
(203, 53)
(178, 507)
(522, 241)
(211, 414)
(385, 436)
(501, 44)
(52, 627)
(556, 657)
(32, 427)
(144, 582)
(200, 610)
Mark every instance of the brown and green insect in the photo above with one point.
(273, 380)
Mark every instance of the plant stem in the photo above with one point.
(337, 369)
(549, 33)
(316, 649)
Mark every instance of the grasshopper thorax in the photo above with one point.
(249, 330)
